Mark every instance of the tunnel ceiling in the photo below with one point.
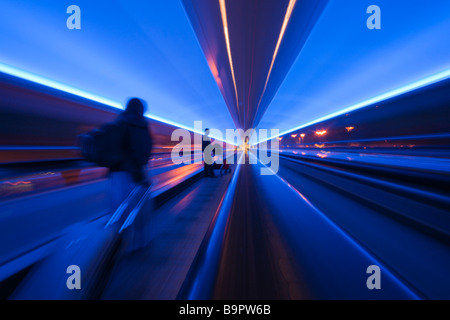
(250, 45)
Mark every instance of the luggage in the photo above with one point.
(89, 247)
(224, 168)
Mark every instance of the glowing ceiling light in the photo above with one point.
(223, 12)
(441, 76)
(321, 133)
(349, 128)
(293, 135)
(302, 135)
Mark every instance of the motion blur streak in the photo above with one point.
(280, 38)
(444, 75)
(223, 12)
(90, 96)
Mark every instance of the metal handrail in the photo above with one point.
(199, 283)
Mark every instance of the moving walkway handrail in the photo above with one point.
(199, 283)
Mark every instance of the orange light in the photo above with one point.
(321, 155)
(293, 135)
(321, 133)
(18, 183)
(280, 138)
(302, 135)
(287, 17)
(349, 128)
(215, 73)
(223, 12)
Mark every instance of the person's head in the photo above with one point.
(136, 107)
(207, 132)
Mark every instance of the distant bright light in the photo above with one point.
(349, 128)
(441, 76)
(293, 135)
(22, 74)
(321, 133)
(302, 135)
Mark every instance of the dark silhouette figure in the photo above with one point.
(134, 148)
(137, 142)
(124, 146)
(131, 172)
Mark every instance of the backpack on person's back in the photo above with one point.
(104, 146)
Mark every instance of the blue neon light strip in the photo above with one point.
(22, 74)
(441, 76)
(35, 148)
(19, 73)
